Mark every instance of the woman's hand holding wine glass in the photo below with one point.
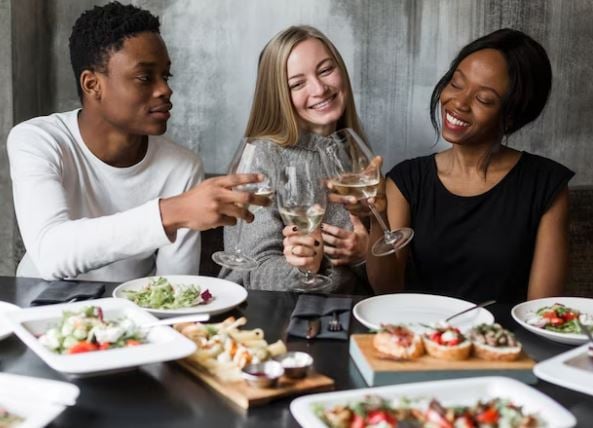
(355, 178)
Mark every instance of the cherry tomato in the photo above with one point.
(357, 421)
(376, 416)
(488, 416)
(83, 346)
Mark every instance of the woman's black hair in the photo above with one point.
(530, 77)
(102, 30)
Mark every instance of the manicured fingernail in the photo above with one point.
(294, 228)
(316, 243)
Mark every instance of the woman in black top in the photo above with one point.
(490, 221)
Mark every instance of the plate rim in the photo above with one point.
(565, 338)
(356, 308)
(300, 407)
(4, 331)
(200, 309)
(545, 368)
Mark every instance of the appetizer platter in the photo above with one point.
(482, 401)
(243, 367)
(83, 339)
(555, 318)
(174, 295)
(397, 354)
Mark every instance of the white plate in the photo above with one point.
(522, 312)
(449, 392)
(163, 343)
(226, 294)
(412, 309)
(557, 371)
(37, 401)
(5, 329)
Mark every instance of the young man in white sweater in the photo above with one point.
(98, 193)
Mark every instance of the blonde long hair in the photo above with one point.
(272, 114)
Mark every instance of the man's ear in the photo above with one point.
(90, 84)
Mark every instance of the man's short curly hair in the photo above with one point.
(100, 31)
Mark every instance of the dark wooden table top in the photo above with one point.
(160, 395)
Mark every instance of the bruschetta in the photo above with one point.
(494, 343)
(398, 342)
(447, 343)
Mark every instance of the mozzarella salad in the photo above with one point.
(374, 411)
(159, 293)
(560, 319)
(87, 330)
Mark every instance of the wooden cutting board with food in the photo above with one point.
(397, 354)
(243, 367)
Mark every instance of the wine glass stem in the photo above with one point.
(382, 223)
(238, 251)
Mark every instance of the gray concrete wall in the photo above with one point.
(395, 51)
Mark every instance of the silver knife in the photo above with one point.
(313, 327)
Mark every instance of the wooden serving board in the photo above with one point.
(246, 396)
(379, 370)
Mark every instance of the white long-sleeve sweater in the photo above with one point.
(82, 218)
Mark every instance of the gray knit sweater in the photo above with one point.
(262, 239)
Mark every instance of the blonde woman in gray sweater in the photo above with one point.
(302, 94)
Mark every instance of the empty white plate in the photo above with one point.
(417, 309)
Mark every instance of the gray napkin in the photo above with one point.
(311, 306)
(65, 291)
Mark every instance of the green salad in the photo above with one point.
(159, 293)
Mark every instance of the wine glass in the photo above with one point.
(351, 172)
(302, 200)
(249, 158)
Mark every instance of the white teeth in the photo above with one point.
(456, 121)
(322, 104)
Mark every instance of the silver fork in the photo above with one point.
(334, 324)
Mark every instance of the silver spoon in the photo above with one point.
(471, 308)
(175, 320)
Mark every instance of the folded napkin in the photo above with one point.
(65, 291)
(310, 306)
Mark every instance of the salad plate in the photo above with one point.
(416, 309)
(159, 344)
(307, 410)
(225, 295)
(5, 329)
(526, 314)
(34, 402)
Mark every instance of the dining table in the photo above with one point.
(166, 395)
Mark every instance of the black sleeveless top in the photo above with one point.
(476, 247)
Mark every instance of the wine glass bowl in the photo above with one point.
(252, 156)
(353, 170)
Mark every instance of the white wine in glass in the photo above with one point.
(248, 159)
(301, 202)
(348, 161)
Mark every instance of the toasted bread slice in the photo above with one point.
(398, 342)
(493, 342)
(448, 352)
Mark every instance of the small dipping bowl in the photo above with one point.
(296, 364)
(263, 375)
